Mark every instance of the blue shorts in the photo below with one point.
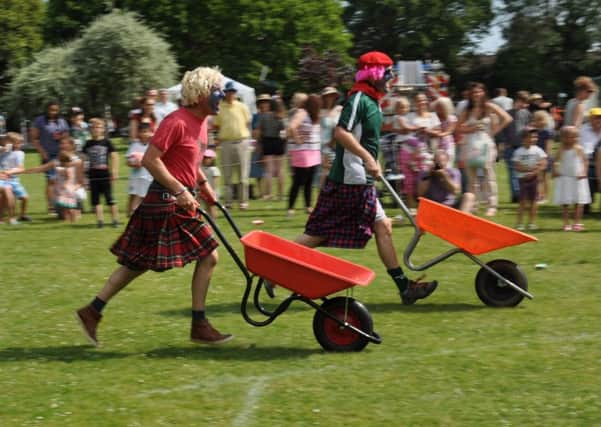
(18, 189)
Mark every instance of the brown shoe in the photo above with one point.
(203, 333)
(89, 318)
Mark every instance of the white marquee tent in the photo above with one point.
(245, 93)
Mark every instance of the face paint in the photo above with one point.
(388, 74)
(216, 96)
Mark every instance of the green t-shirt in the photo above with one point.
(362, 117)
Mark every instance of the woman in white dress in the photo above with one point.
(570, 172)
(480, 122)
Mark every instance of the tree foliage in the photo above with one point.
(66, 19)
(564, 40)
(49, 77)
(316, 70)
(241, 36)
(21, 23)
(417, 29)
(116, 59)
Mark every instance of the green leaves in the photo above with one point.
(116, 59)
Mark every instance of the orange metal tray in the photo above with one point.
(468, 232)
(300, 269)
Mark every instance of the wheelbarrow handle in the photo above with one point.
(399, 200)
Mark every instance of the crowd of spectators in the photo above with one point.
(440, 150)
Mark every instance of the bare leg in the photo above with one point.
(566, 218)
(533, 210)
(99, 212)
(386, 251)
(135, 202)
(467, 202)
(277, 174)
(578, 214)
(115, 212)
(521, 208)
(50, 194)
(120, 278)
(310, 241)
(269, 164)
(24, 206)
(201, 279)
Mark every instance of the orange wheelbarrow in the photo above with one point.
(499, 283)
(340, 323)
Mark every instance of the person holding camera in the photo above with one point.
(442, 184)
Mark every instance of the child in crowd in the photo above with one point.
(103, 169)
(541, 120)
(570, 171)
(529, 161)
(69, 179)
(12, 162)
(139, 177)
(448, 121)
(414, 158)
(212, 173)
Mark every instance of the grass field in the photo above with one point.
(446, 361)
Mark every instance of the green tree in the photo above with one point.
(49, 77)
(241, 36)
(116, 59)
(66, 19)
(564, 39)
(21, 23)
(417, 29)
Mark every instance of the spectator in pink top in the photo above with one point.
(305, 151)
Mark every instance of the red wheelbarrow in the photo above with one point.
(340, 323)
(499, 283)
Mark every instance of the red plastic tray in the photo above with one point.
(468, 232)
(300, 269)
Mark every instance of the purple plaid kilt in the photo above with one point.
(160, 235)
(345, 215)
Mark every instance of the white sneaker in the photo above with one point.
(13, 221)
(532, 227)
(520, 227)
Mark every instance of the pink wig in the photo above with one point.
(374, 72)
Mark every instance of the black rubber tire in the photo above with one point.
(494, 294)
(333, 337)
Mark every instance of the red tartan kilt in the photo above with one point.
(160, 236)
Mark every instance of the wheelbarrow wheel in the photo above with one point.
(334, 337)
(493, 292)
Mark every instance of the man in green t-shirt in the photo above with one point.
(348, 212)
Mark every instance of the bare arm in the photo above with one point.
(114, 165)
(297, 119)
(133, 129)
(583, 156)
(35, 140)
(504, 117)
(348, 141)
(578, 117)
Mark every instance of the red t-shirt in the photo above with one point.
(182, 137)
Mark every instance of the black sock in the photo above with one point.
(400, 280)
(198, 314)
(98, 304)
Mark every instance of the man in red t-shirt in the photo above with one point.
(166, 230)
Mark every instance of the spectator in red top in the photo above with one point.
(166, 230)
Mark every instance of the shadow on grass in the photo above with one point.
(232, 307)
(58, 353)
(387, 307)
(247, 353)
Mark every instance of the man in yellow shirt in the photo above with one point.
(233, 124)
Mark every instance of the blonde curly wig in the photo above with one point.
(199, 83)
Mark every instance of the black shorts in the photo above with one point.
(273, 146)
(100, 184)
